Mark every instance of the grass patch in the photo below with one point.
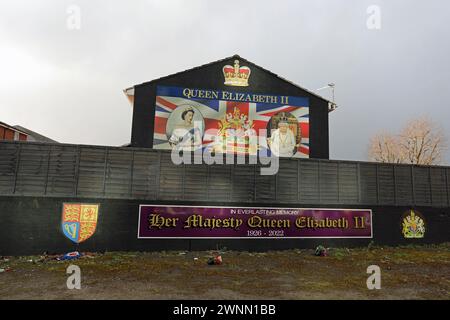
(416, 272)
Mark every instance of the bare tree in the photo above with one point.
(384, 147)
(421, 141)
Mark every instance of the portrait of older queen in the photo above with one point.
(282, 142)
(185, 135)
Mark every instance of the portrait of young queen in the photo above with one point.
(186, 135)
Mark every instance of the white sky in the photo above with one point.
(61, 82)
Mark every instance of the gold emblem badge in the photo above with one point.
(236, 76)
(413, 226)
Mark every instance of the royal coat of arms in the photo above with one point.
(413, 226)
(236, 134)
(79, 221)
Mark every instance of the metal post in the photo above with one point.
(447, 185)
(413, 185)
(377, 184)
(338, 185)
(19, 151)
(254, 182)
(48, 169)
(395, 183)
(183, 179)
(104, 171)
(276, 182)
(77, 171)
(358, 173)
(230, 197)
(429, 185)
(158, 176)
(207, 181)
(131, 174)
(318, 181)
(298, 180)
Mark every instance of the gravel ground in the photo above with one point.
(420, 272)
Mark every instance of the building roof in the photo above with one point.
(129, 92)
(36, 136)
(12, 128)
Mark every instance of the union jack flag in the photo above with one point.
(213, 112)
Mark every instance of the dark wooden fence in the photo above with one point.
(63, 170)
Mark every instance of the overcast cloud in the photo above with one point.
(61, 82)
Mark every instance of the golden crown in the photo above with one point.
(283, 119)
(236, 76)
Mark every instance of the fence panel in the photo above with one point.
(91, 172)
(368, 183)
(309, 182)
(32, 169)
(265, 188)
(145, 175)
(287, 181)
(9, 159)
(438, 187)
(170, 179)
(118, 173)
(348, 183)
(63, 170)
(196, 182)
(403, 185)
(386, 184)
(219, 182)
(422, 188)
(38, 169)
(243, 189)
(328, 182)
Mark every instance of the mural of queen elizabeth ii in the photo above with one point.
(185, 128)
(283, 141)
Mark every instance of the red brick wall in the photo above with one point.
(8, 134)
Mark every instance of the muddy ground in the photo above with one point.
(421, 272)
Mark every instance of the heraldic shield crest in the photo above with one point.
(79, 221)
(413, 225)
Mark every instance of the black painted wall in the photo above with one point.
(211, 77)
(36, 178)
(31, 225)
